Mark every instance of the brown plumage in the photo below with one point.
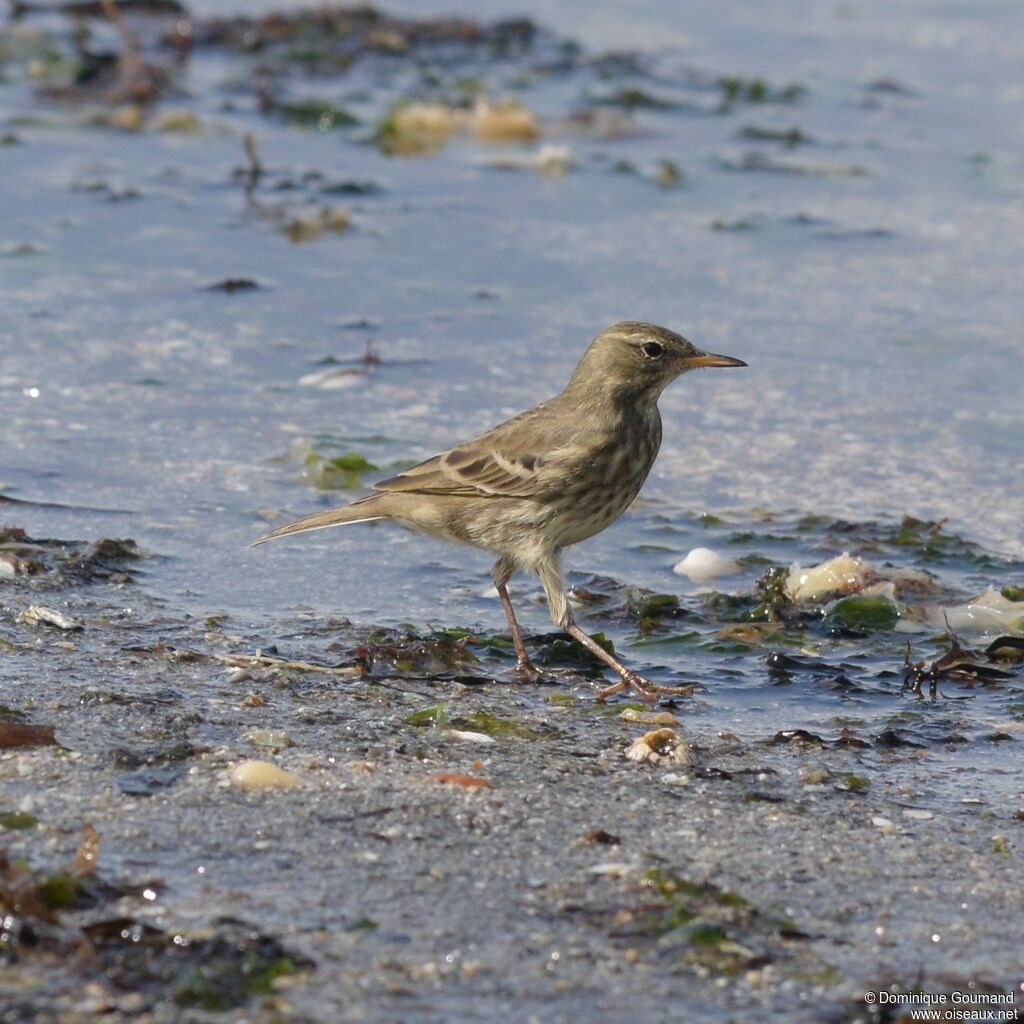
(547, 478)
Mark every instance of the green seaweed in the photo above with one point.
(703, 933)
(436, 716)
(669, 173)
(873, 612)
(352, 188)
(18, 820)
(930, 542)
(60, 891)
(631, 98)
(491, 725)
(773, 599)
(735, 89)
(492, 644)
(733, 647)
(706, 926)
(649, 609)
(603, 710)
(789, 137)
(854, 783)
(218, 972)
(688, 639)
(408, 652)
(341, 472)
(573, 650)
(227, 982)
(362, 924)
(673, 886)
(321, 114)
(351, 462)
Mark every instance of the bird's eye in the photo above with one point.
(653, 350)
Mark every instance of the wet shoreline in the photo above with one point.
(256, 264)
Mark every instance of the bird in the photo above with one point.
(546, 479)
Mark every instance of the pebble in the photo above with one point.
(463, 736)
(614, 869)
(675, 779)
(654, 717)
(37, 615)
(262, 775)
(277, 738)
(506, 120)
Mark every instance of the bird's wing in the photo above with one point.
(473, 472)
(524, 458)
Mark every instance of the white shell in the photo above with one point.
(703, 564)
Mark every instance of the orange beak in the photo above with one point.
(710, 359)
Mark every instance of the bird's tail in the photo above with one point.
(357, 512)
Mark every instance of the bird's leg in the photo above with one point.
(550, 572)
(523, 663)
(501, 574)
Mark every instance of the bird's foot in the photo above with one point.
(644, 688)
(528, 672)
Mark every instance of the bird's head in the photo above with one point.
(637, 359)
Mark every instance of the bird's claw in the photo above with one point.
(644, 688)
(528, 672)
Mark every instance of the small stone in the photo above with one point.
(40, 615)
(262, 775)
(128, 117)
(276, 738)
(180, 121)
(613, 869)
(651, 717)
(675, 779)
(464, 736)
(503, 121)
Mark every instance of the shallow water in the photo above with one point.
(868, 275)
(876, 311)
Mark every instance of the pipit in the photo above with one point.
(547, 478)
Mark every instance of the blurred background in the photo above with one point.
(252, 263)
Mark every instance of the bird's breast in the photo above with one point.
(605, 479)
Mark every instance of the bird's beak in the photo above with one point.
(710, 359)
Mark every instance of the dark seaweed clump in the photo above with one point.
(67, 562)
(223, 968)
